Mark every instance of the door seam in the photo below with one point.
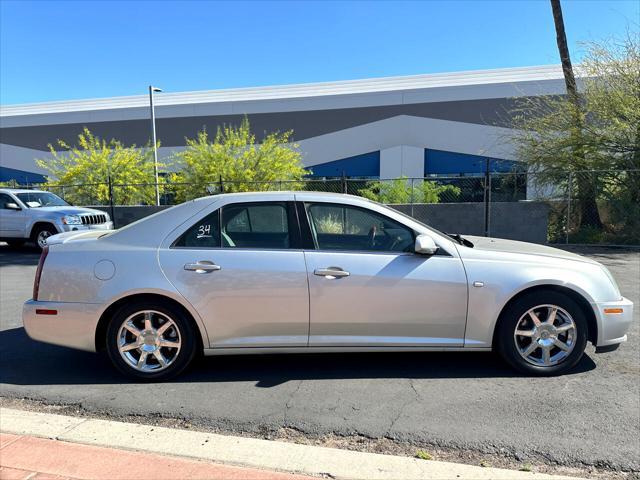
(306, 267)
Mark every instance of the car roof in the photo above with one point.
(163, 222)
(20, 190)
(298, 193)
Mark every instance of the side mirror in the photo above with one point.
(11, 206)
(425, 245)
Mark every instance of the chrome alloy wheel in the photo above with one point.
(41, 239)
(149, 341)
(545, 335)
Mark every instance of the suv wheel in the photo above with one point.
(150, 341)
(41, 234)
(543, 333)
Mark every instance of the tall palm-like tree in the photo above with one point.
(563, 50)
(589, 215)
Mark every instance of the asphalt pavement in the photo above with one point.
(469, 401)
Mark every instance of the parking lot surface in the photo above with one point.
(469, 401)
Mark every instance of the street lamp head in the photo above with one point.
(154, 89)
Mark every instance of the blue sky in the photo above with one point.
(52, 50)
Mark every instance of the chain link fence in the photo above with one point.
(590, 207)
(584, 207)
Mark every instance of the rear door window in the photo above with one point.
(256, 225)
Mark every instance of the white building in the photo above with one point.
(385, 127)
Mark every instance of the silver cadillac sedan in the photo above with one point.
(293, 272)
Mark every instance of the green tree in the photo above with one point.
(608, 136)
(84, 170)
(402, 191)
(10, 184)
(239, 160)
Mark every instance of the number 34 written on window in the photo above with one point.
(204, 231)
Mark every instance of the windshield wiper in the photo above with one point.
(460, 239)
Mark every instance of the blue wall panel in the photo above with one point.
(443, 163)
(20, 176)
(365, 165)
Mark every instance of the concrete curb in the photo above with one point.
(247, 452)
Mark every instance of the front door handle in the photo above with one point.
(331, 273)
(203, 266)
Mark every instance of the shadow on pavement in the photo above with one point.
(18, 256)
(26, 362)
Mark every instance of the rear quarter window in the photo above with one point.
(203, 234)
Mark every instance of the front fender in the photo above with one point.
(33, 221)
(503, 280)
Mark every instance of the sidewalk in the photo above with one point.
(24, 457)
(43, 445)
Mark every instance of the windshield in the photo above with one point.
(41, 199)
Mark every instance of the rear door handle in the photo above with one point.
(203, 266)
(331, 273)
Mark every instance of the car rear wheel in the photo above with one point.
(151, 342)
(543, 333)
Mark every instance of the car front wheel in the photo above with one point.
(543, 333)
(151, 342)
(41, 234)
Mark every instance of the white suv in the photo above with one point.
(36, 215)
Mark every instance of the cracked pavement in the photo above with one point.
(458, 400)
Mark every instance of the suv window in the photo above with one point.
(343, 227)
(204, 234)
(4, 199)
(256, 225)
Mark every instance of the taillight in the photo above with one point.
(36, 282)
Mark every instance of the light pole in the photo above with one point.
(153, 139)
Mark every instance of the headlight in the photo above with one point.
(72, 220)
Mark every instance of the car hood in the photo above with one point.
(523, 248)
(68, 210)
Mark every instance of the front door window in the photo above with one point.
(348, 228)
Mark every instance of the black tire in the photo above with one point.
(187, 337)
(46, 230)
(508, 346)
